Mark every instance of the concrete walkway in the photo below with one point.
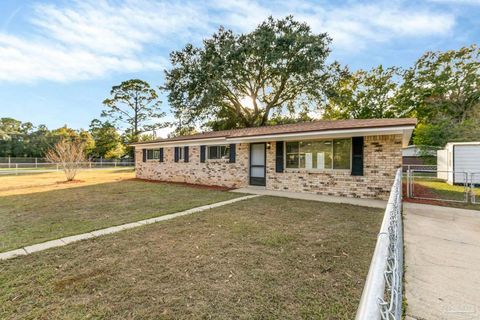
(442, 258)
(97, 233)
(314, 197)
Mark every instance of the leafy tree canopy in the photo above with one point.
(442, 90)
(363, 95)
(108, 142)
(240, 80)
(442, 84)
(135, 104)
(26, 140)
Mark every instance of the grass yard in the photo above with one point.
(436, 190)
(37, 208)
(263, 258)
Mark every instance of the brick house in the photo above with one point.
(350, 158)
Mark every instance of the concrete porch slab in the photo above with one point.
(374, 203)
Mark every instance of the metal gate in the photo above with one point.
(438, 185)
(475, 187)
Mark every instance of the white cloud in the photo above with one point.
(94, 38)
(90, 39)
(352, 26)
(458, 2)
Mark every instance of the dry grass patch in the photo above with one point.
(263, 258)
(31, 183)
(38, 208)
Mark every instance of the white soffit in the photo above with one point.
(405, 131)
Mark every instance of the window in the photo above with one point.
(342, 153)
(319, 154)
(180, 153)
(218, 152)
(153, 154)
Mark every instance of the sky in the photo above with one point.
(59, 59)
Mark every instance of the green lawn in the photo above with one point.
(263, 258)
(438, 189)
(31, 212)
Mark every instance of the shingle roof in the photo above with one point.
(319, 125)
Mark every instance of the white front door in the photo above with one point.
(257, 164)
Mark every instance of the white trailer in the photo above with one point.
(458, 161)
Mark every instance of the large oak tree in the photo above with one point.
(240, 80)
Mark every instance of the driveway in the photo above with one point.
(442, 258)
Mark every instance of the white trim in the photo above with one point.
(176, 143)
(153, 153)
(405, 131)
(407, 134)
(472, 143)
(207, 156)
(324, 134)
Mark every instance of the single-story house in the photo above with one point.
(458, 163)
(351, 158)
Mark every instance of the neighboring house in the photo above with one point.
(457, 161)
(414, 156)
(351, 158)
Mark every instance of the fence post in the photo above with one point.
(115, 163)
(408, 182)
(474, 195)
(16, 169)
(8, 162)
(471, 189)
(467, 188)
(57, 166)
(36, 162)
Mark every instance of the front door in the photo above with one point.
(257, 164)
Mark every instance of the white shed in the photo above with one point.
(458, 160)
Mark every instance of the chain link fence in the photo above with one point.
(408, 167)
(382, 294)
(475, 187)
(39, 160)
(32, 168)
(443, 186)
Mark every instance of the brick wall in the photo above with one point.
(382, 156)
(211, 172)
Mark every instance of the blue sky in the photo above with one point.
(59, 59)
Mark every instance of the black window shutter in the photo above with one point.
(357, 156)
(232, 153)
(175, 154)
(202, 153)
(144, 155)
(161, 154)
(279, 156)
(185, 154)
